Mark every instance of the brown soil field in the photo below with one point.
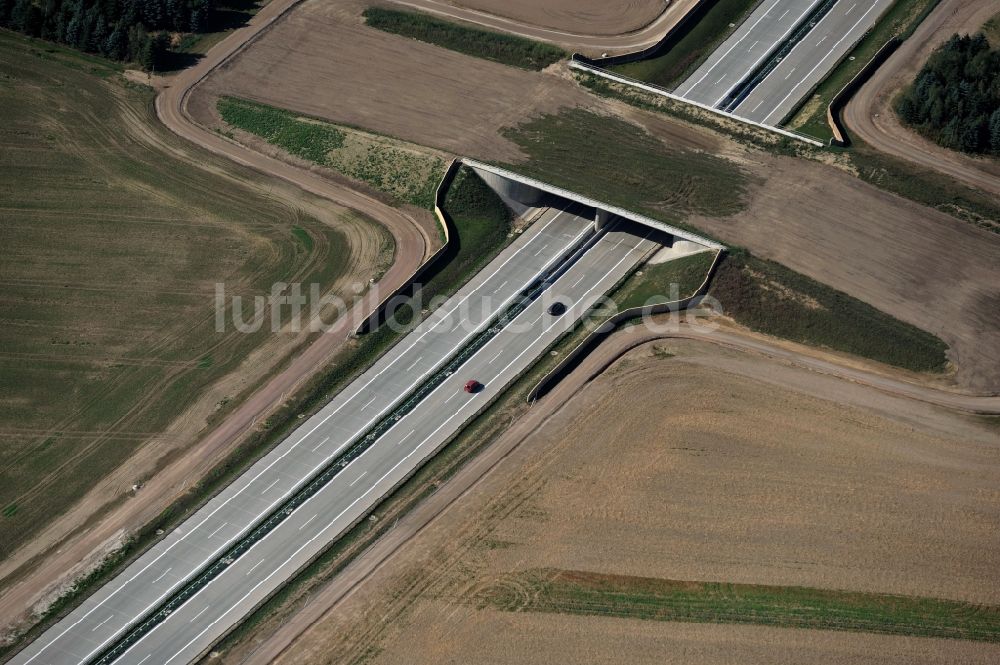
(711, 464)
(588, 26)
(151, 237)
(343, 71)
(112, 250)
(588, 17)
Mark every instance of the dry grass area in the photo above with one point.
(710, 465)
(587, 17)
(351, 74)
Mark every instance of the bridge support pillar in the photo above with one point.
(601, 219)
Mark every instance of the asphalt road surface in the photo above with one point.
(811, 60)
(177, 558)
(754, 41)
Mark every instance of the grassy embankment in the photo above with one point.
(498, 47)
(685, 50)
(406, 173)
(595, 594)
(668, 184)
(899, 21)
(112, 248)
(772, 299)
(660, 283)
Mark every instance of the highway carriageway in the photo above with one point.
(810, 60)
(101, 620)
(753, 42)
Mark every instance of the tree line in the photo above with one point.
(955, 99)
(123, 30)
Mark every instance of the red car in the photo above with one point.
(473, 386)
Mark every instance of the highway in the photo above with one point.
(811, 60)
(747, 48)
(226, 518)
(159, 573)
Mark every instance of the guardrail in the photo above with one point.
(546, 383)
(839, 101)
(377, 316)
(656, 90)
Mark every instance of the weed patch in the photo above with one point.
(596, 594)
(405, 172)
(495, 46)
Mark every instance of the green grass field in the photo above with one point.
(658, 283)
(405, 172)
(686, 50)
(617, 162)
(769, 298)
(112, 248)
(901, 19)
(595, 594)
(495, 46)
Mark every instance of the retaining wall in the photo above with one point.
(377, 316)
(840, 100)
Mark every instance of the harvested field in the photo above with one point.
(113, 246)
(751, 482)
(489, 637)
(587, 17)
(387, 83)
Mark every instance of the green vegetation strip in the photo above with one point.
(407, 173)
(927, 187)
(685, 51)
(664, 282)
(595, 594)
(617, 162)
(770, 298)
(495, 46)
